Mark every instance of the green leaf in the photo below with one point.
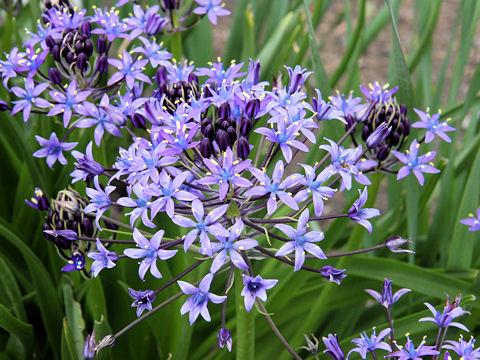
(74, 320)
(68, 346)
(245, 339)
(22, 330)
(10, 287)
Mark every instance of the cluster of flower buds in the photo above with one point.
(213, 149)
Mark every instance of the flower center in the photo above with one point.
(253, 286)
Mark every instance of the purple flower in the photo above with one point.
(472, 221)
(63, 235)
(30, 96)
(343, 162)
(10, 66)
(85, 166)
(344, 107)
(370, 344)
(150, 251)
(67, 102)
(154, 52)
(333, 347)
(386, 299)
(102, 117)
(377, 93)
(463, 348)
(111, 26)
(103, 259)
(230, 247)
(255, 287)
(433, 126)
(417, 164)
(359, 215)
(76, 262)
(395, 243)
(148, 22)
(140, 206)
(332, 274)
(166, 190)
(302, 241)
(409, 352)
(377, 137)
(212, 8)
(197, 304)
(202, 226)
(89, 347)
(53, 149)
(218, 75)
(285, 136)
(274, 187)
(225, 339)
(319, 193)
(225, 174)
(143, 300)
(128, 70)
(450, 311)
(100, 200)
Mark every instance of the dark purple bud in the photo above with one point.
(383, 152)
(296, 83)
(169, 4)
(88, 47)
(50, 42)
(232, 135)
(403, 109)
(243, 147)
(110, 225)
(4, 106)
(78, 47)
(209, 132)
(155, 24)
(332, 274)
(207, 92)
(205, 122)
(224, 111)
(70, 57)
(39, 201)
(82, 62)
(56, 52)
(252, 108)
(68, 38)
(139, 121)
(102, 64)
(245, 125)
(90, 348)
(193, 79)
(101, 44)
(407, 126)
(55, 76)
(333, 347)
(377, 137)
(365, 132)
(87, 227)
(206, 148)
(400, 129)
(86, 29)
(161, 76)
(393, 139)
(225, 124)
(222, 139)
(224, 339)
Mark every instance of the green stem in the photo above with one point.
(245, 342)
(176, 45)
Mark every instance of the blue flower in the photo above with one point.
(86, 166)
(224, 339)
(30, 96)
(463, 348)
(143, 300)
(150, 251)
(333, 275)
(409, 352)
(100, 200)
(53, 149)
(302, 241)
(255, 287)
(450, 311)
(103, 259)
(386, 298)
(417, 164)
(197, 304)
(76, 262)
(370, 344)
(68, 101)
(212, 8)
(433, 125)
(359, 215)
(472, 221)
(343, 162)
(333, 347)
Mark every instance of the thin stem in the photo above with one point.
(108, 241)
(390, 325)
(355, 252)
(262, 230)
(276, 331)
(286, 261)
(289, 219)
(179, 276)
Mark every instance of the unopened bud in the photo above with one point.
(395, 243)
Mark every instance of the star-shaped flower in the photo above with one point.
(53, 149)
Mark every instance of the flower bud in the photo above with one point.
(155, 24)
(69, 57)
(245, 126)
(383, 152)
(102, 64)
(333, 347)
(87, 227)
(222, 139)
(50, 42)
(169, 4)
(224, 339)
(101, 44)
(39, 201)
(395, 243)
(55, 76)
(4, 106)
(78, 47)
(161, 76)
(139, 121)
(209, 132)
(407, 126)
(252, 108)
(86, 29)
(224, 111)
(206, 148)
(232, 135)
(377, 137)
(332, 274)
(81, 62)
(56, 52)
(243, 147)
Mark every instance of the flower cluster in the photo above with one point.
(212, 149)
